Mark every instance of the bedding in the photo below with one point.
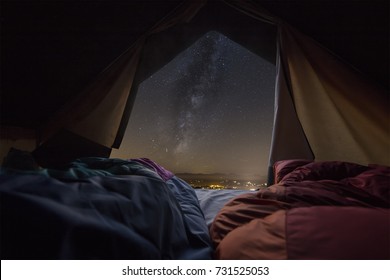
(212, 201)
(99, 208)
(315, 210)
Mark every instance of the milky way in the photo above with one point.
(208, 110)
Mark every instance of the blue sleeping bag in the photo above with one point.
(99, 208)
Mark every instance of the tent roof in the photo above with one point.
(51, 50)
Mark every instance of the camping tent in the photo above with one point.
(323, 108)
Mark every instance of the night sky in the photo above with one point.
(210, 110)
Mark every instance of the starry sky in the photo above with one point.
(210, 110)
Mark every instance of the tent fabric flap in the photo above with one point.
(344, 116)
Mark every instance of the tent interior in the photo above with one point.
(73, 42)
(70, 72)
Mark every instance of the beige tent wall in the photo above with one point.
(101, 124)
(288, 138)
(344, 116)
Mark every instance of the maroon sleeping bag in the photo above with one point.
(317, 210)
